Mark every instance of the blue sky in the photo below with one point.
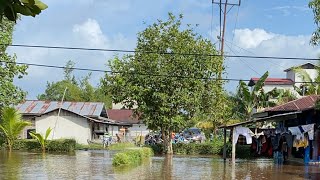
(262, 28)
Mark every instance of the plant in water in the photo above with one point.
(11, 125)
(42, 140)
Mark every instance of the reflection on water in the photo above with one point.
(98, 165)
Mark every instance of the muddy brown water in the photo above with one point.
(97, 165)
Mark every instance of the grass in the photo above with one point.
(99, 146)
(133, 156)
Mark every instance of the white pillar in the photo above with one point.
(233, 145)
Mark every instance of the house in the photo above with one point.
(83, 121)
(292, 78)
(128, 124)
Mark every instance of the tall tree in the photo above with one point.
(9, 93)
(80, 90)
(11, 125)
(11, 8)
(315, 6)
(170, 89)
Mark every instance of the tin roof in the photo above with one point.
(301, 104)
(35, 107)
(122, 115)
(272, 81)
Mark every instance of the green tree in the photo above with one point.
(11, 8)
(11, 125)
(315, 6)
(170, 90)
(81, 90)
(9, 93)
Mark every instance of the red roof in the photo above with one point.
(301, 104)
(122, 115)
(272, 81)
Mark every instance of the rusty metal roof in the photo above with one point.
(35, 107)
(301, 104)
(123, 116)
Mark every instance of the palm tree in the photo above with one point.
(11, 125)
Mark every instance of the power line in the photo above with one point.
(166, 53)
(232, 44)
(242, 60)
(138, 73)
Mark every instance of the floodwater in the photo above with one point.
(97, 165)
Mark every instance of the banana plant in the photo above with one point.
(309, 86)
(250, 100)
(42, 140)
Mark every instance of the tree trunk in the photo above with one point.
(10, 145)
(166, 136)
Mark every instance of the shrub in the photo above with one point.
(59, 145)
(132, 156)
(62, 145)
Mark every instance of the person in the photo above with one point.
(118, 138)
(106, 139)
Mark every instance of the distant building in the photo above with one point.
(132, 124)
(292, 78)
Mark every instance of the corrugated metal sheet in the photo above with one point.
(35, 107)
(122, 115)
(301, 104)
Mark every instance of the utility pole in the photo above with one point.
(61, 103)
(221, 38)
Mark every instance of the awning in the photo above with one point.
(277, 117)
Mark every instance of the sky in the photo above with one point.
(255, 28)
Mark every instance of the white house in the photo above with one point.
(292, 79)
(83, 121)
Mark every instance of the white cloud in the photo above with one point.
(290, 10)
(259, 42)
(90, 33)
(247, 38)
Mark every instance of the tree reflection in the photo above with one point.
(11, 167)
(167, 167)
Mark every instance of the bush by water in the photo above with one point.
(59, 145)
(132, 156)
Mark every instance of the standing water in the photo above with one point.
(98, 165)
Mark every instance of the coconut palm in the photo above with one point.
(11, 125)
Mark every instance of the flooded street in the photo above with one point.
(97, 165)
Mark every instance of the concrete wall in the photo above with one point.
(137, 129)
(67, 126)
(295, 76)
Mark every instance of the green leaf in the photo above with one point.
(41, 5)
(47, 133)
(10, 13)
(22, 9)
(260, 82)
(35, 10)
